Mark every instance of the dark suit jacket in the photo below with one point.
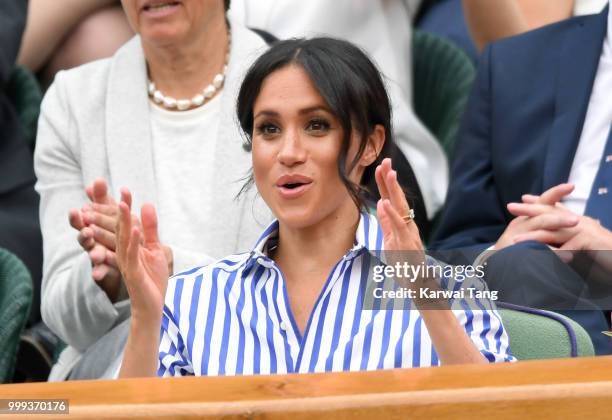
(19, 226)
(521, 127)
(519, 135)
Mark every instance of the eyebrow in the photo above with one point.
(304, 111)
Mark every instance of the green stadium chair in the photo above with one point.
(442, 78)
(15, 301)
(24, 92)
(538, 334)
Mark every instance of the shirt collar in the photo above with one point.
(368, 236)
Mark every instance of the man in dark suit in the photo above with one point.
(539, 116)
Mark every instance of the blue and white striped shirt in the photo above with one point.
(233, 318)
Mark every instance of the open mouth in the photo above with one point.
(293, 186)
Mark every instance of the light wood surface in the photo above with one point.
(563, 388)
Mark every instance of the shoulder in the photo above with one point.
(87, 83)
(542, 41)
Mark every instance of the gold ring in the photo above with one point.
(409, 218)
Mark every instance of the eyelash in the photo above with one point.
(324, 126)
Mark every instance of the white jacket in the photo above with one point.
(95, 123)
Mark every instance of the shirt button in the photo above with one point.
(609, 159)
(602, 191)
(283, 326)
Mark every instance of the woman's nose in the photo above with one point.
(292, 149)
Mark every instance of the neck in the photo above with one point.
(184, 70)
(318, 247)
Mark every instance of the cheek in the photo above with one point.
(263, 159)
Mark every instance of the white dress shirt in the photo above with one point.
(594, 132)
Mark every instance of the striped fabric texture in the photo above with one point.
(233, 318)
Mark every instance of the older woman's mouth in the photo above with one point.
(160, 8)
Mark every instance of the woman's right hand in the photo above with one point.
(143, 264)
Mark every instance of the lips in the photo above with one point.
(293, 186)
(160, 6)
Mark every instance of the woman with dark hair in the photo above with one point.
(317, 118)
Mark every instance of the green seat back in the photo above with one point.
(24, 92)
(15, 301)
(442, 78)
(538, 334)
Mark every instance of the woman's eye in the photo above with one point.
(267, 129)
(318, 125)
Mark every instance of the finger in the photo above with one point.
(126, 196)
(396, 195)
(543, 236)
(552, 221)
(383, 218)
(149, 225)
(104, 237)
(111, 259)
(530, 210)
(101, 220)
(555, 194)
(100, 192)
(86, 238)
(75, 219)
(133, 248)
(399, 226)
(555, 237)
(97, 254)
(573, 244)
(380, 183)
(105, 209)
(89, 192)
(100, 271)
(123, 230)
(530, 199)
(565, 256)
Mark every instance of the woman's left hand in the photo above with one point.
(399, 229)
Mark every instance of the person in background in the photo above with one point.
(62, 34)
(537, 134)
(489, 21)
(19, 224)
(157, 117)
(472, 24)
(319, 122)
(384, 30)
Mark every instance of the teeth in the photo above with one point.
(160, 6)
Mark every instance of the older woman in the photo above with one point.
(157, 118)
(318, 119)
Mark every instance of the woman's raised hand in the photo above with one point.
(143, 262)
(399, 229)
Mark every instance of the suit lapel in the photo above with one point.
(128, 129)
(577, 66)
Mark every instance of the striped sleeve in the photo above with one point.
(478, 315)
(483, 323)
(173, 356)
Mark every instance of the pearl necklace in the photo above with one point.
(199, 99)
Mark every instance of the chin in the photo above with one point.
(162, 35)
(296, 217)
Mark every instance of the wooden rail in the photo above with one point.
(563, 388)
